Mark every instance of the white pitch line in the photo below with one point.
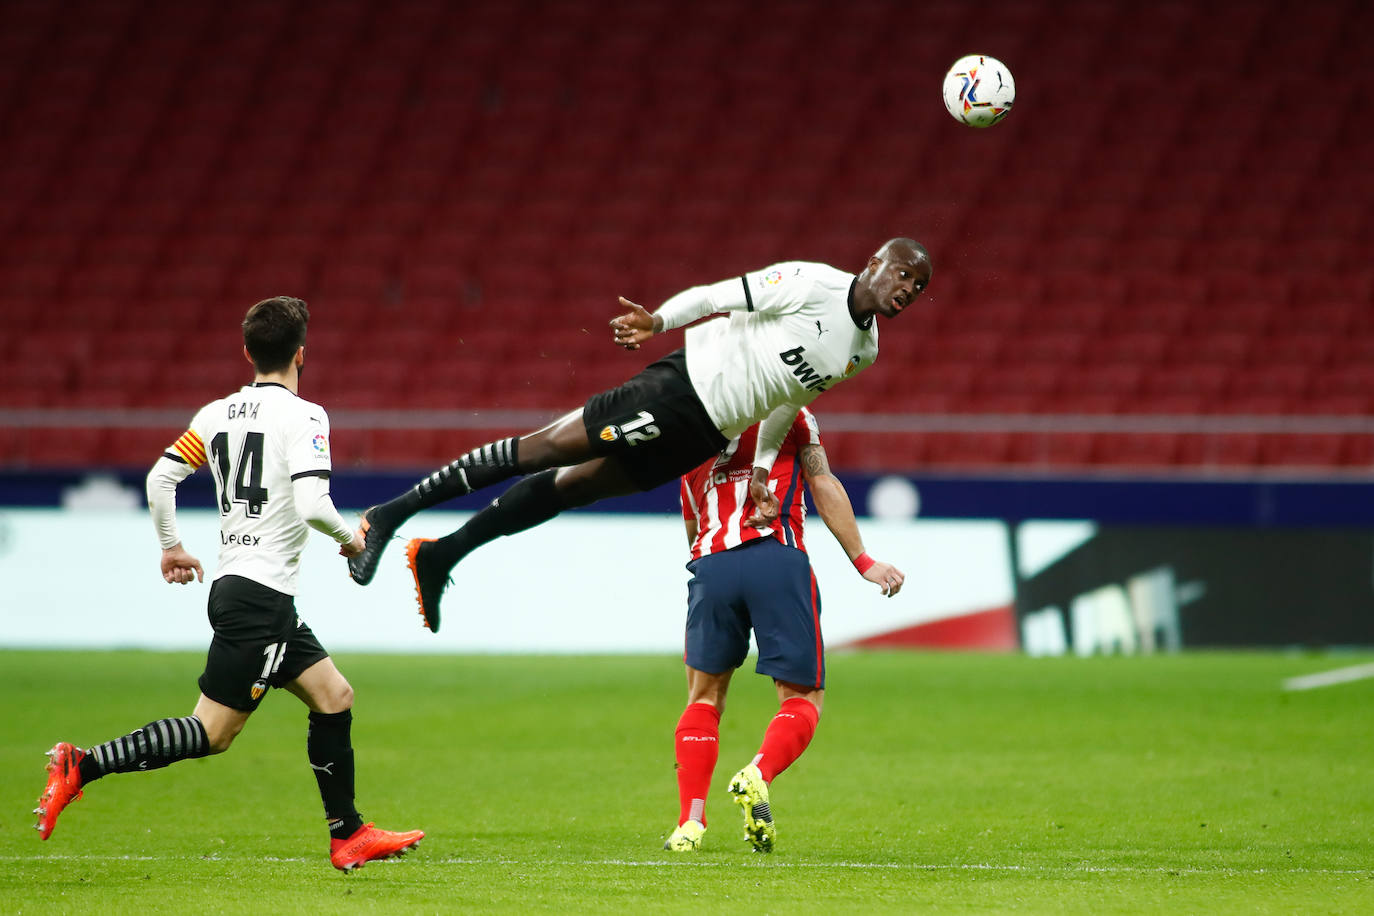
(419, 860)
(1328, 678)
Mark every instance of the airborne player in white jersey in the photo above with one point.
(794, 330)
(268, 450)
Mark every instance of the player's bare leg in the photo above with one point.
(696, 749)
(530, 502)
(787, 736)
(222, 723)
(563, 442)
(329, 745)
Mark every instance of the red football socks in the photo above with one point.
(697, 744)
(788, 735)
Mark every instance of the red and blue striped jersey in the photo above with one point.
(716, 494)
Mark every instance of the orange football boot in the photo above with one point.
(429, 583)
(63, 788)
(369, 844)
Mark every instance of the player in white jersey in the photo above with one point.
(795, 329)
(268, 450)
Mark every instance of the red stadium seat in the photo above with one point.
(1139, 450)
(1225, 450)
(68, 448)
(1314, 450)
(966, 450)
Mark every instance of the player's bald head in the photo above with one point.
(903, 249)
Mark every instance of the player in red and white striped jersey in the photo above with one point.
(751, 571)
(715, 496)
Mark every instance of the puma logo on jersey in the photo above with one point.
(811, 380)
(819, 330)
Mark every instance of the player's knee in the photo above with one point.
(337, 697)
(343, 698)
(219, 738)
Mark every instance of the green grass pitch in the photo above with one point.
(936, 783)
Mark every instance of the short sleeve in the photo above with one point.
(684, 495)
(805, 430)
(307, 452)
(778, 289)
(189, 447)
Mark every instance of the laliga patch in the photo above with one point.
(772, 278)
(320, 444)
(610, 433)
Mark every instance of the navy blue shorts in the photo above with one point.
(766, 586)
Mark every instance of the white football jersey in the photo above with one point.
(257, 441)
(789, 336)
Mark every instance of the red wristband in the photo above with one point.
(862, 563)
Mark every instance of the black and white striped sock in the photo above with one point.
(481, 467)
(151, 747)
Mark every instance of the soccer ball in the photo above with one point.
(979, 90)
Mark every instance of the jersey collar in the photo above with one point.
(849, 301)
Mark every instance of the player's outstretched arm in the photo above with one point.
(835, 509)
(635, 326)
(638, 324)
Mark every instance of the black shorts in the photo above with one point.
(654, 425)
(259, 643)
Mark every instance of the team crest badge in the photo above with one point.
(258, 689)
(610, 433)
(852, 366)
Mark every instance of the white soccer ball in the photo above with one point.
(979, 90)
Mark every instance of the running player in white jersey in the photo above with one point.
(795, 329)
(748, 574)
(268, 450)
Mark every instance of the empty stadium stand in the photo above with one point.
(1173, 233)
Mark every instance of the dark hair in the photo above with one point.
(273, 330)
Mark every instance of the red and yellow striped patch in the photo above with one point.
(191, 448)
